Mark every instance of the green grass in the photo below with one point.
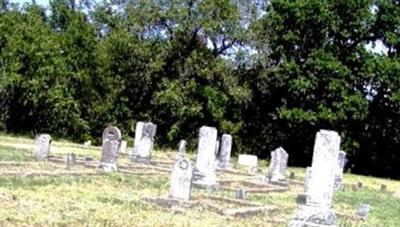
(116, 199)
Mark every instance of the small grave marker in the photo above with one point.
(42, 150)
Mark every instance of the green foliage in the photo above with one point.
(261, 71)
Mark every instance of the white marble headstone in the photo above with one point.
(111, 145)
(278, 165)
(124, 147)
(43, 143)
(317, 210)
(181, 180)
(205, 160)
(144, 142)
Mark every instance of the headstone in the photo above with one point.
(339, 169)
(144, 142)
(111, 145)
(205, 161)
(354, 187)
(181, 180)
(225, 152)
(42, 150)
(383, 188)
(217, 148)
(363, 211)
(182, 149)
(307, 177)
(277, 166)
(240, 194)
(292, 176)
(71, 160)
(87, 144)
(124, 147)
(138, 133)
(360, 185)
(317, 211)
(248, 160)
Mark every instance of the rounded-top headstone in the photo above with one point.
(112, 133)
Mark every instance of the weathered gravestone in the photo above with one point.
(205, 161)
(339, 169)
(317, 210)
(144, 142)
(71, 160)
(225, 152)
(182, 149)
(42, 150)
(111, 145)
(248, 160)
(181, 180)
(124, 147)
(277, 166)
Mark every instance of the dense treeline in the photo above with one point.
(270, 73)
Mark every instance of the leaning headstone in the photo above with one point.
(111, 145)
(124, 147)
(205, 161)
(277, 166)
(182, 149)
(42, 150)
(317, 210)
(225, 152)
(248, 160)
(181, 180)
(145, 143)
(339, 169)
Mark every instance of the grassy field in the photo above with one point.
(92, 198)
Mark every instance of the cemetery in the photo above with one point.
(58, 182)
(200, 113)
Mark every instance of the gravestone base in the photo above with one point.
(169, 202)
(282, 183)
(206, 182)
(313, 216)
(225, 166)
(108, 167)
(140, 160)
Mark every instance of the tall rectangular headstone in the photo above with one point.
(138, 132)
(111, 140)
(278, 165)
(145, 143)
(42, 150)
(317, 210)
(205, 160)
(181, 180)
(339, 169)
(225, 152)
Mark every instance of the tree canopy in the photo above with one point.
(270, 73)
